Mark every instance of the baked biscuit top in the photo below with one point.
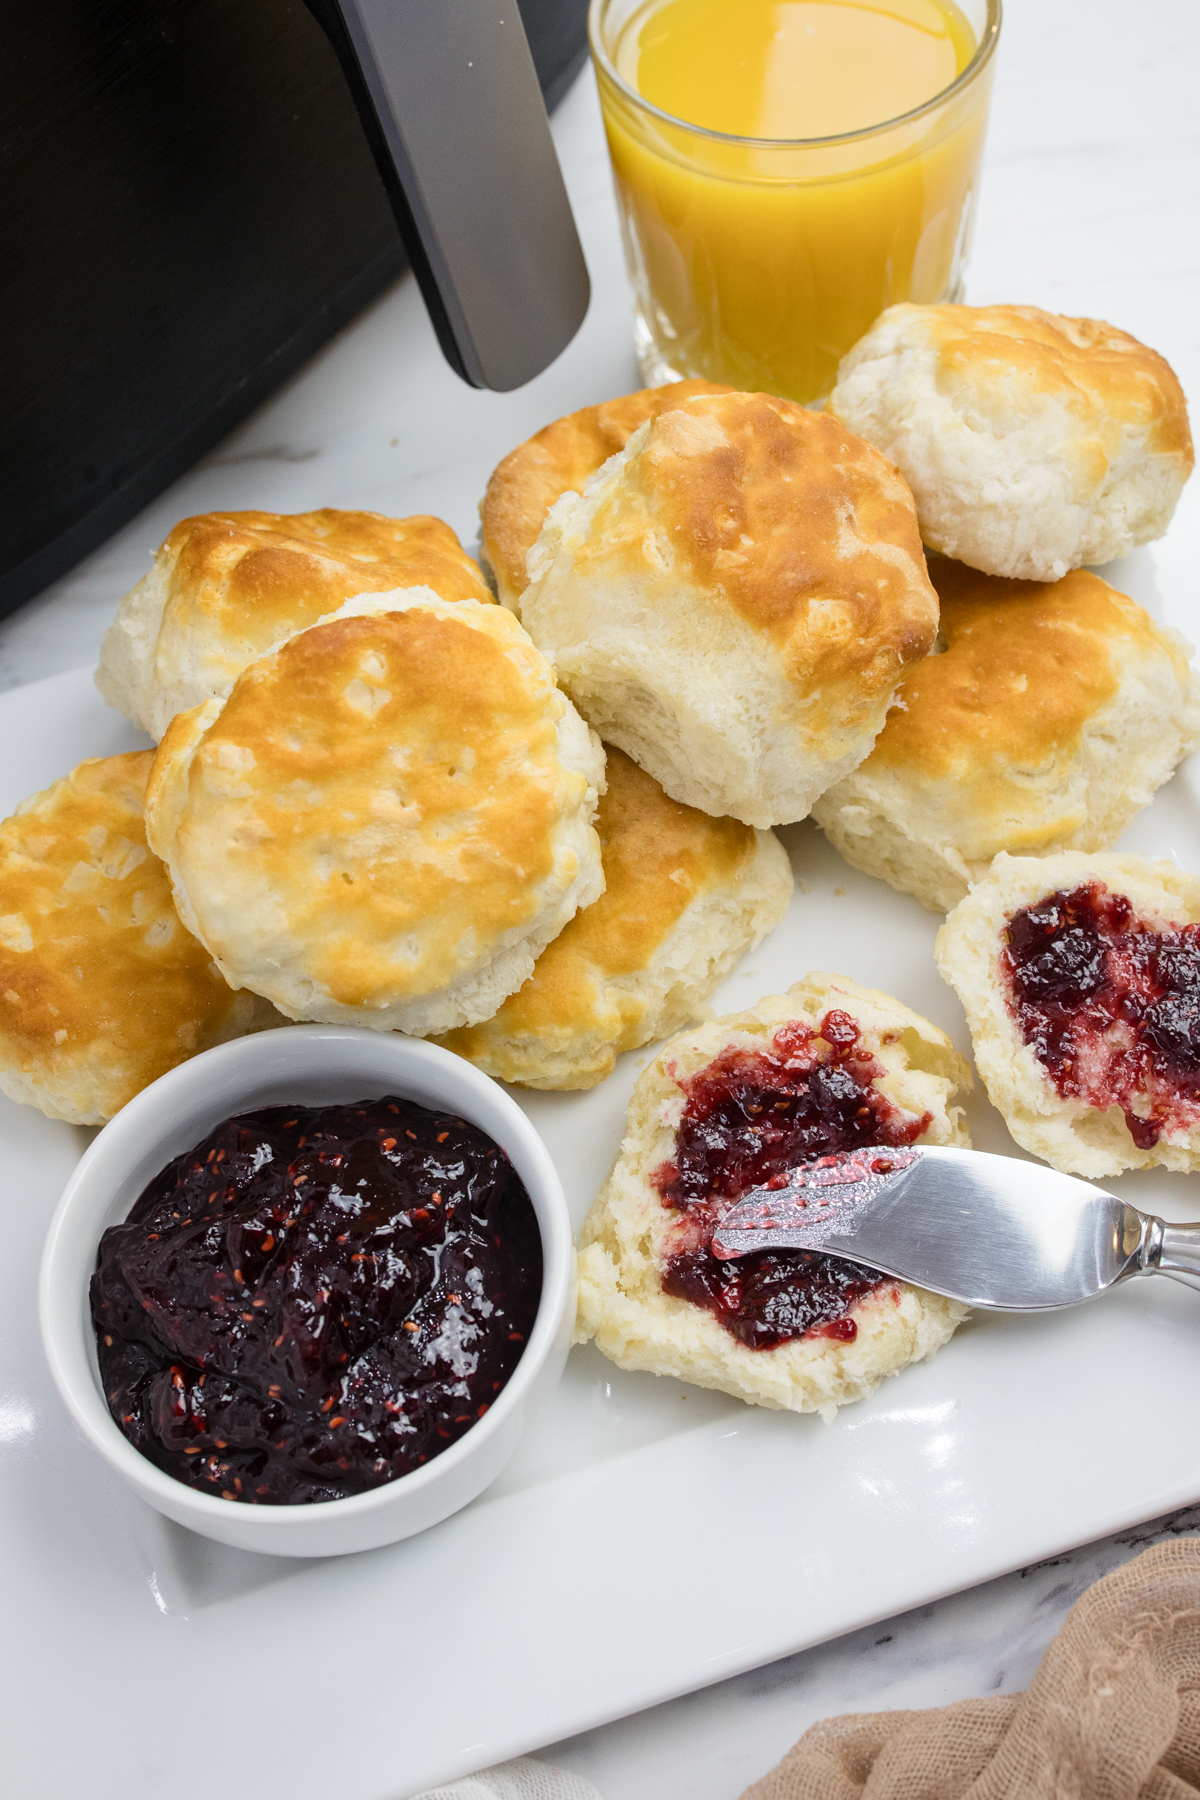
(248, 579)
(804, 531)
(382, 798)
(226, 587)
(1027, 666)
(556, 461)
(92, 952)
(1010, 356)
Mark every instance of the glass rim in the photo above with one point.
(983, 52)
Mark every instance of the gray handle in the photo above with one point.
(450, 101)
(1172, 1250)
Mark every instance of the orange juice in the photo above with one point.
(786, 169)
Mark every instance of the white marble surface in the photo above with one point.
(1089, 205)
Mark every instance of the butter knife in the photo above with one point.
(990, 1230)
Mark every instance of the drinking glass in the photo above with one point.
(760, 261)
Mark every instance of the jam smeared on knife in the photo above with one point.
(1110, 1006)
(315, 1301)
(750, 1116)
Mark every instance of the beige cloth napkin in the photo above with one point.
(1113, 1713)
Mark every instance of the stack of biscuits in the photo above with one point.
(532, 815)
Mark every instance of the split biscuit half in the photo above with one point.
(827, 1045)
(1080, 978)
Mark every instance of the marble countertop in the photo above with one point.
(1089, 205)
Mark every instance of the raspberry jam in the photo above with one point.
(316, 1300)
(1110, 1006)
(751, 1115)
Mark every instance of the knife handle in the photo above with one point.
(1172, 1250)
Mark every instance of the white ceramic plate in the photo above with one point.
(648, 1538)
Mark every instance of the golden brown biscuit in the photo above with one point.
(225, 587)
(387, 818)
(791, 1056)
(1054, 713)
(733, 600)
(684, 897)
(556, 461)
(101, 988)
(1080, 979)
(1032, 442)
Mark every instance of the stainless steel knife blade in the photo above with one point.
(990, 1230)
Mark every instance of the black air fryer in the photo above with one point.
(196, 194)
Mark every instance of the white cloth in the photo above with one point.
(522, 1779)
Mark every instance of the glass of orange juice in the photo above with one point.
(786, 169)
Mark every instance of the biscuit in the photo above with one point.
(684, 897)
(558, 460)
(733, 600)
(1052, 716)
(225, 587)
(1080, 979)
(101, 988)
(636, 1230)
(1032, 443)
(386, 820)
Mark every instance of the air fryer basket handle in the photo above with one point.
(449, 100)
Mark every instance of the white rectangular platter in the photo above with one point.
(649, 1538)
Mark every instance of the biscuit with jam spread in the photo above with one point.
(101, 988)
(1080, 978)
(827, 1066)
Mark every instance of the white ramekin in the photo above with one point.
(302, 1065)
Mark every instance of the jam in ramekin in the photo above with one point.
(316, 1300)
